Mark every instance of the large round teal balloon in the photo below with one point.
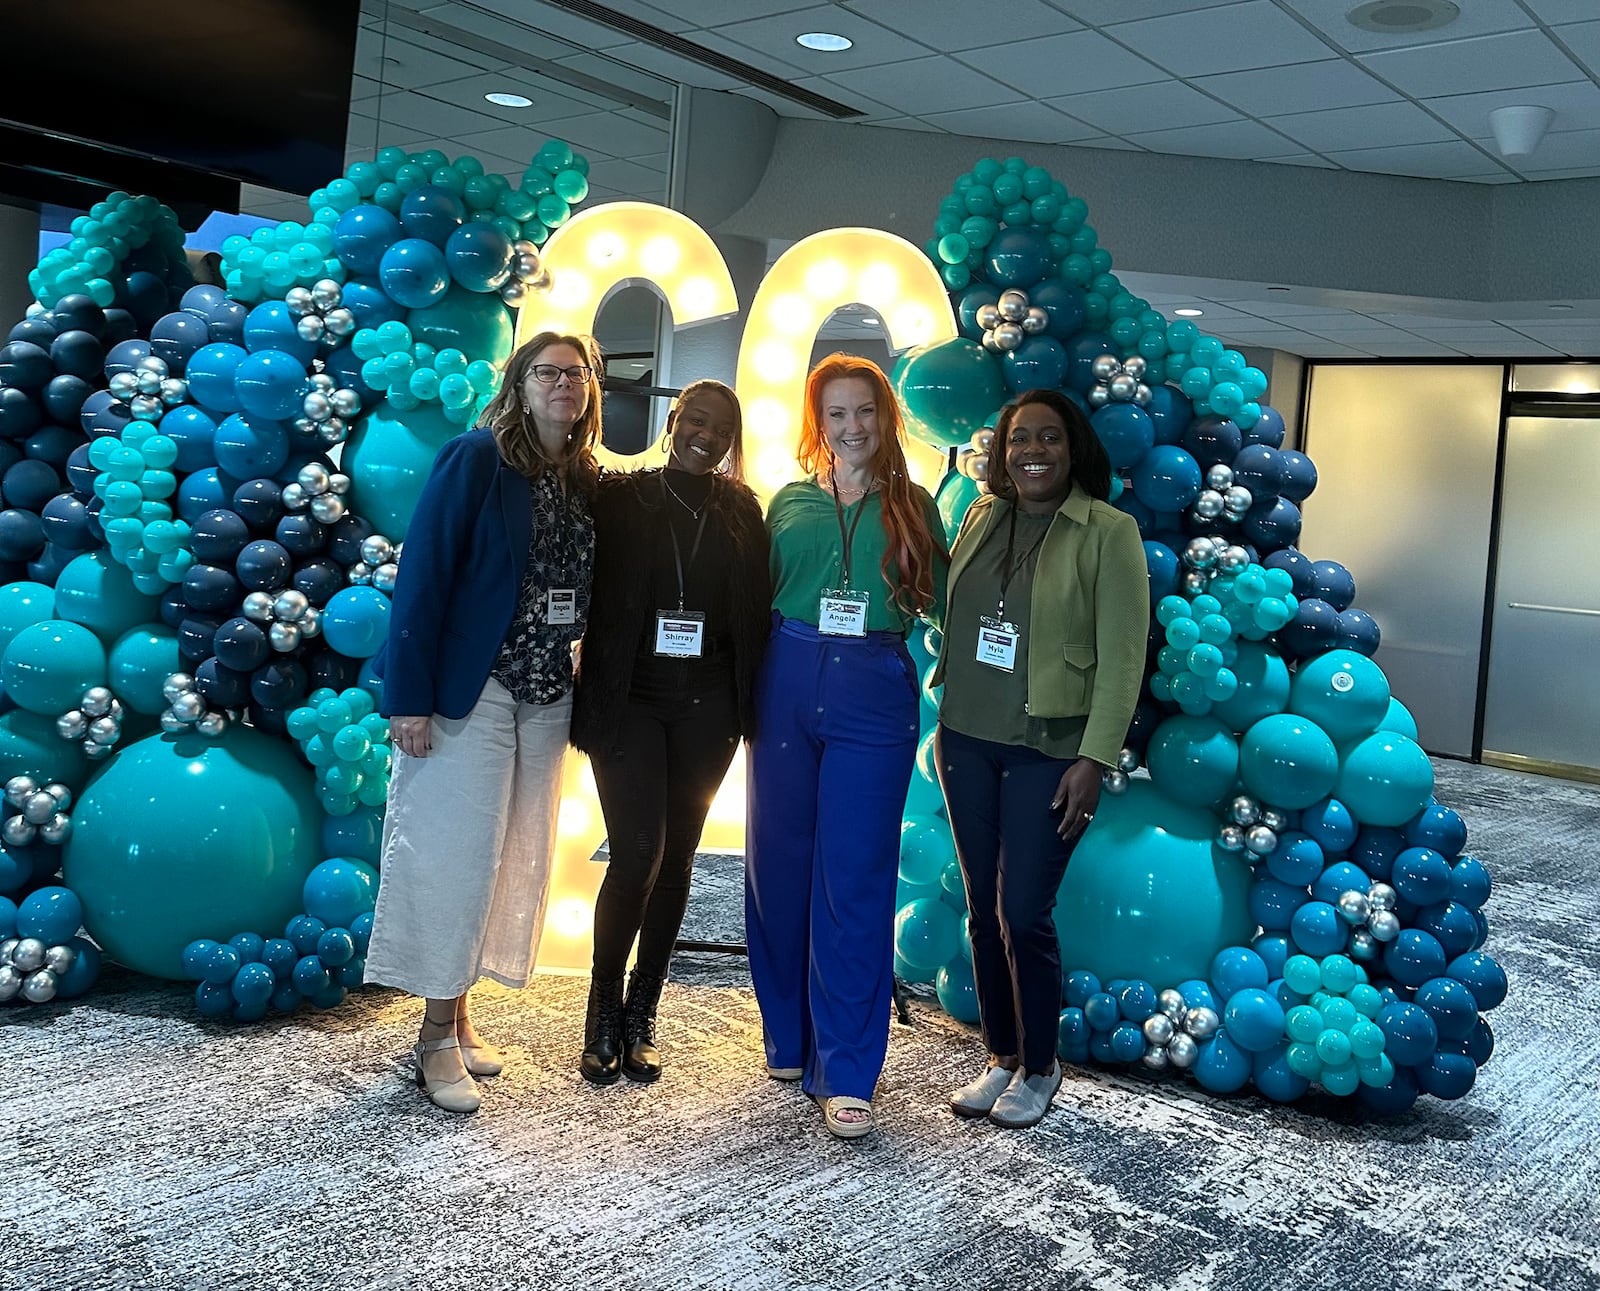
(1148, 895)
(927, 933)
(99, 593)
(479, 326)
(1385, 779)
(183, 837)
(1263, 687)
(956, 493)
(21, 606)
(958, 992)
(1194, 760)
(48, 666)
(142, 658)
(948, 389)
(1343, 692)
(388, 460)
(926, 847)
(1288, 761)
(30, 746)
(1398, 718)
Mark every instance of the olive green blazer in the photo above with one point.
(1089, 619)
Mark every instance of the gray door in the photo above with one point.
(1543, 700)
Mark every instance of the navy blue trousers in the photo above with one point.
(836, 738)
(1012, 860)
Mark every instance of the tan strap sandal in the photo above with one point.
(840, 1129)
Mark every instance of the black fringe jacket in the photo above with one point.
(626, 530)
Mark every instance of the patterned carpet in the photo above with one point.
(142, 1148)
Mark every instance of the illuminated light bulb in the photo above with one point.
(767, 418)
(826, 278)
(792, 314)
(660, 255)
(605, 247)
(570, 916)
(879, 282)
(577, 817)
(776, 361)
(695, 297)
(910, 325)
(570, 290)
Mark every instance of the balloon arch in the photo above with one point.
(205, 493)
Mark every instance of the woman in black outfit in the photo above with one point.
(678, 621)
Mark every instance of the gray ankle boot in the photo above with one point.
(1027, 1098)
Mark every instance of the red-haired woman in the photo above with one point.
(857, 556)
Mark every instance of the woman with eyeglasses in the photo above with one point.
(857, 557)
(1041, 662)
(493, 593)
(665, 693)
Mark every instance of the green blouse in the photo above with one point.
(982, 701)
(808, 551)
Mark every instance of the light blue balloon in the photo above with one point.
(926, 848)
(1263, 687)
(1397, 718)
(1288, 761)
(1343, 692)
(388, 458)
(1385, 779)
(413, 274)
(927, 933)
(338, 890)
(1147, 896)
(98, 593)
(958, 993)
(23, 604)
(355, 622)
(1193, 759)
(269, 384)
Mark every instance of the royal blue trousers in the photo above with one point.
(836, 738)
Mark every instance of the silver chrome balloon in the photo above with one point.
(39, 987)
(1238, 498)
(1231, 838)
(327, 508)
(983, 440)
(1035, 321)
(174, 391)
(1156, 1059)
(1244, 810)
(1172, 1003)
(1104, 367)
(1354, 907)
(1219, 476)
(1363, 945)
(1115, 782)
(212, 724)
(1122, 387)
(298, 300)
(1384, 925)
(1098, 396)
(1158, 1029)
(988, 317)
(171, 723)
(1013, 305)
(39, 808)
(61, 794)
(1008, 336)
(59, 959)
(1380, 896)
(1208, 506)
(177, 683)
(123, 386)
(105, 730)
(71, 725)
(326, 293)
(313, 477)
(20, 788)
(385, 575)
(294, 498)
(1201, 1023)
(27, 955)
(1260, 840)
(1198, 553)
(1274, 820)
(284, 637)
(1127, 760)
(376, 549)
(346, 402)
(258, 607)
(1135, 366)
(188, 708)
(317, 406)
(333, 431)
(17, 832)
(290, 604)
(1182, 1052)
(1141, 396)
(97, 701)
(8, 945)
(10, 983)
(1193, 582)
(340, 323)
(310, 328)
(58, 828)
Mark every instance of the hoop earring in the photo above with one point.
(527, 410)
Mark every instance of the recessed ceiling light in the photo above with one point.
(870, 321)
(1277, 289)
(1391, 17)
(509, 100)
(1560, 306)
(1188, 313)
(826, 41)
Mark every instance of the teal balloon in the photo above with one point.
(1343, 692)
(355, 622)
(97, 592)
(927, 933)
(926, 847)
(142, 659)
(1194, 760)
(388, 459)
(1147, 895)
(1397, 718)
(1263, 687)
(924, 797)
(948, 389)
(30, 746)
(338, 890)
(48, 666)
(958, 993)
(1288, 761)
(478, 325)
(183, 837)
(21, 606)
(1385, 779)
(956, 493)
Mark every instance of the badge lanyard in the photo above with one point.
(561, 603)
(997, 637)
(843, 611)
(681, 635)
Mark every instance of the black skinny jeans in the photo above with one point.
(1013, 861)
(656, 783)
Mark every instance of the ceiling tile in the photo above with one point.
(673, 67)
(1484, 62)
(1299, 87)
(788, 107)
(1575, 103)
(631, 178)
(1238, 139)
(609, 71)
(926, 85)
(1427, 160)
(1145, 107)
(515, 141)
(872, 111)
(1577, 172)
(1028, 122)
(909, 123)
(928, 20)
(1282, 309)
(1569, 150)
(408, 64)
(1557, 11)
(1427, 321)
(709, 13)
(522, 24)
(362, 88)
(418, 113)
(1310, 159)
(1412, 349)
(767, 62)
(776, 35)
(1313, 348)
(1378, 125)
(1228, 39)
(547, 105)
(1583, 39)
(1098, 13)
(1110, 141)
(614, 134)
(1498, 177)
(1078, 60)
(1329, 17)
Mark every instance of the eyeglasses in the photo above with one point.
(549, 373)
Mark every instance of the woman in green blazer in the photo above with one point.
(1042, 660)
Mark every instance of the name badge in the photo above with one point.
(680, 634)
(842, 614)
(997, 643)
(561, 605)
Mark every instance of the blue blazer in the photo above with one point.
(466, 551)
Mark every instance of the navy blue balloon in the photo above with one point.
(77, 311)
(1313, 631)
(1451, 1006)
(175, 337)
(1268, 429)
(1335, 584)
(414, 273)
(68, 524)
(1017, 257)
(1455, 926)
(243, 646)
(211, 588)
(1171, 412)
(201, 492)
(195, 634)
(22, 535)
(64, 396)
(1062, 302)
(122, 326)
(19, 414)
(174, 609)
(1421, 875)
(225, 323)
(38, 330)
(349, 532)
(344, 366)
(78, 354)
(47, 567)
(1358, 631)
(201, 299)
(300, 535)
(279, 684)
(1039, 363)
(1299, 567)
(221, 686)
(1394, 1099)
(1470, 882)
(53, 444)
(264, 567)
(140, 300)
(30, 484)
(361, 236)
(1167, 479)
(25, 365)
(81, 472)
(1447, 1075)
(1259, 469)
(10, 455)
(972, 300)
(1125, 432)
(101, 414)
(218, 536)
(332, 669)
(370, 304)
(479, 256)
(248, 446)
(1213, 441)
(1481, 975)
(1438, 827)
(259, 503)
(1299, 475)
(125, 356)
(1164, 570)
(319, 578)
(1374, 851)
(1410, 1035)
(431, 214)
(1082, 351)
(1414, 956)
(1272, 524)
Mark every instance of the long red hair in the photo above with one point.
(912, 549)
